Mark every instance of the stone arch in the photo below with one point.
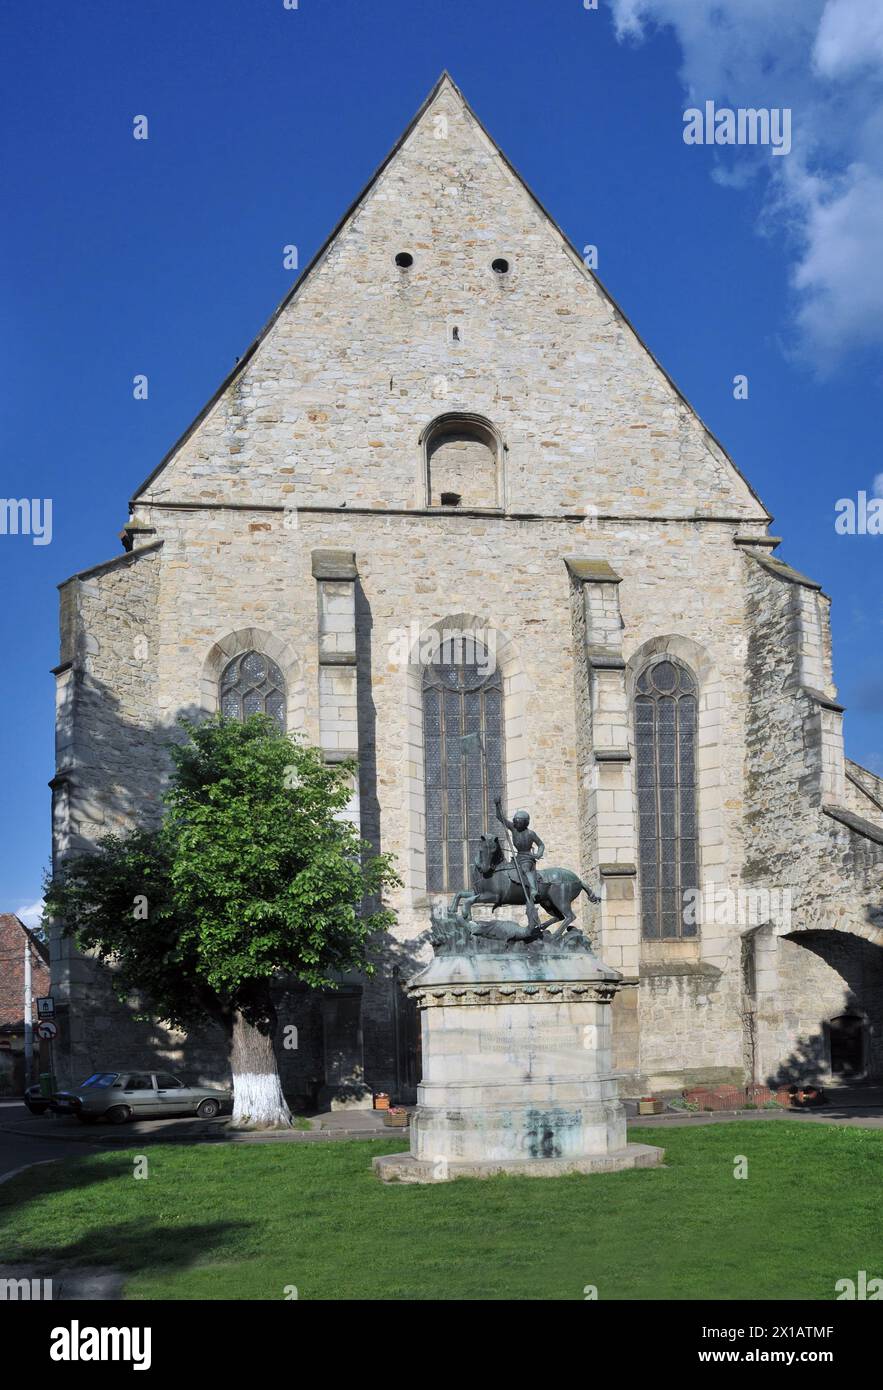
(515, 726)
(685, 652)
(246, 639)
(682, 649)
(814, 976)
(865, 931)
(462, 458)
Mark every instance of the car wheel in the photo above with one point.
(207, 1109)
(118, 1114)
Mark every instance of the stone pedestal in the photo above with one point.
(517, 1071)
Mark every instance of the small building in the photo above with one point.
(15, 940)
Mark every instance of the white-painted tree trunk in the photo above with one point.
(258, 1101)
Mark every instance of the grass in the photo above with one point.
(245, 1222)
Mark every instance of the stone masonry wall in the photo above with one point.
(330, 407)
(826, 877)
(436, 569)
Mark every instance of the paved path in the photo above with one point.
(26, 1139)
(818, 1117)
(857, 1106)
(21, 1150)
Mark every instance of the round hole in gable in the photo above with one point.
(500, 265)
(404, 259)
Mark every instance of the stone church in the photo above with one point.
(448, 491)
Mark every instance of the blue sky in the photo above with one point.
(164, 256)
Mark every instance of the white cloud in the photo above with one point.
(850, 36)
(31, 913)
(840, 275)
(824, 60)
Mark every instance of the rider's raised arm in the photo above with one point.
(498, 807)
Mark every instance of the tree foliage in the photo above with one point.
(252, 873)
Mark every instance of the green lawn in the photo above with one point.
(241, 1221)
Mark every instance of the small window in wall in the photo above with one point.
(665, 740)
(464, 759)
(252, 684)
(462, 463)
(749, 967)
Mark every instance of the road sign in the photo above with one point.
(45, 1006)
(47, 1029)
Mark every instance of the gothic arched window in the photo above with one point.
(463, 758)
(252, 684)
(665, 737)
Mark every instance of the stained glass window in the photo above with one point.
(464, 759)
(252, 684)
(665, 738)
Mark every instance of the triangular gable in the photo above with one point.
(444, 84)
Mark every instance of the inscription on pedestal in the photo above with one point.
(543, 1039)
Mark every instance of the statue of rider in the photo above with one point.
(528, 848)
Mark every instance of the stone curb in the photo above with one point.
(215, 1133)
(820, 1116)
(690, 1117)
(25, 1167)
(114, 1137)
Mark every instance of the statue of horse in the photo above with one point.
(495, 881)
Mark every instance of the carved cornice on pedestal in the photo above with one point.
(598, 992)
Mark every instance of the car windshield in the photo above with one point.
(100, 1078)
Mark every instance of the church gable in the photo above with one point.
(448, 292)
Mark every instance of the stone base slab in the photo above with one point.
(406, 1168)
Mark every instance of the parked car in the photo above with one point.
(119, 1096)
(36, 1102)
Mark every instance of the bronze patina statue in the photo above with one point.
(498, 881)
(528, 848)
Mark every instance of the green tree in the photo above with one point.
(252, 873)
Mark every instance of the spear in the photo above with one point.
(533, 916)
(467, 743)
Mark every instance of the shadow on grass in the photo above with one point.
(130, 1247)
(64, 1174)
(243, 1222)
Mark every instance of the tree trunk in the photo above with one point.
(257, 1092)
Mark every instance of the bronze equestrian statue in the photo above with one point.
(498, 881)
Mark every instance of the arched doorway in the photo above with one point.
(821, 1018)
(847, 1039)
